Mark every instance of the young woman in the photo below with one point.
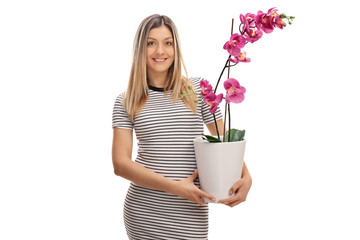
(164, 200)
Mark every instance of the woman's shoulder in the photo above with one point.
(120, 97)
(196, 80)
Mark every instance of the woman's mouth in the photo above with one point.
(159, 59)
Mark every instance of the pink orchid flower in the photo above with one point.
(206, 87)
(235, 44)
(235, 92)
(278, 22)
(265, 21)
(250, 19)
(213, 100)
(252, 34)
(241, 58)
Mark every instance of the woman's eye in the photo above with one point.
(168, 43)
(151, 43)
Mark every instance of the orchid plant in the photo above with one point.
(251, 29)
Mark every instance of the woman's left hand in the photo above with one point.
(241, 189)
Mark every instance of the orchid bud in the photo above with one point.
(189, 87)
(196, 100)
(283, 15)
(183, 92)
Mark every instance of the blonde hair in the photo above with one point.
(137, 90)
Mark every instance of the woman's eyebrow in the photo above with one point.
(156, 39)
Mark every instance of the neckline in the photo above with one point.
(156, 88)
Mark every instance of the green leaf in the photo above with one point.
(211, 138)
(235, 135)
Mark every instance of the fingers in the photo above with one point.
(235, 187)
(194, 175)
(206, 195)
(200, 201)
(236, 197)
(232, 203)
(199, 194)
(234, 200)
(229, 200)
(235, 203)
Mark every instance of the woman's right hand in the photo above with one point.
(188, 190)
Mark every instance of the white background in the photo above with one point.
(63, 63)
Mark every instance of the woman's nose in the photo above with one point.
(159, 49)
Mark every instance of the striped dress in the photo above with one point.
(165, 132)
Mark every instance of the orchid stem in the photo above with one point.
(224, 124)
(227, 61)
(242, 33)
(227, 106)
(222, 72)
(228, 67)
(228, 76)
(231, 65)
(217, 130)
(229, 123)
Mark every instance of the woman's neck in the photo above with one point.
(157, 80)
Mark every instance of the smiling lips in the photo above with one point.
(159, 59)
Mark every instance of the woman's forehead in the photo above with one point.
(162, 32)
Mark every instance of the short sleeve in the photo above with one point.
(207, 116)
(120, 118)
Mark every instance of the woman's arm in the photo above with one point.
(212, 128)
(135, 172)
(243, 185)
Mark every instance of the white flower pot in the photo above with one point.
(219, 166)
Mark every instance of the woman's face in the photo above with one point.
(160, 52)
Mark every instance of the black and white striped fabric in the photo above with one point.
(165, 132)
